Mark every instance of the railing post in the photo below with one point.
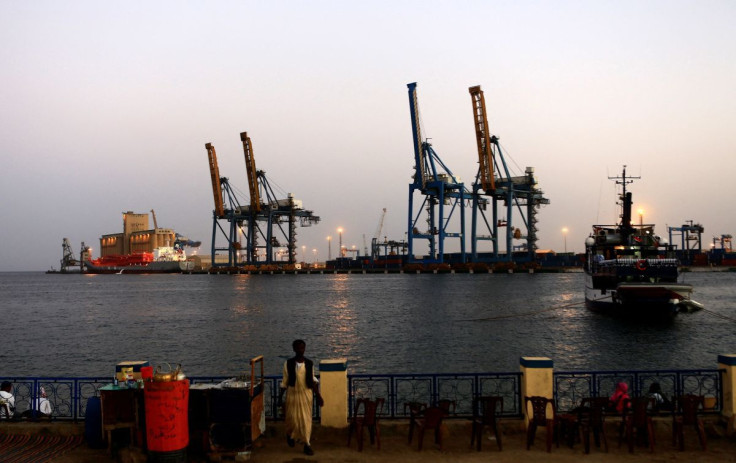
(727, 362)
(536, 380)
(333, 376)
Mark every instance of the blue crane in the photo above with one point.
(443, 196)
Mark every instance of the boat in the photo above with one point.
(140, 249)
(164, 259)
(630, 271)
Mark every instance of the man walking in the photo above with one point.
(300, 386)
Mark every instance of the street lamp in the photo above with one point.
(564, 234)
(329, 248)
(339, 232)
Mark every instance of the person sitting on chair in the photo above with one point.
(43, 406)
(661, 402)
(7, 399)
(619, 397)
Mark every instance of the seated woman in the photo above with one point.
(661, 402)
(41, 406)
(7, 400)
(619, 397)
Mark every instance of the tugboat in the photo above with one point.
(632, 272)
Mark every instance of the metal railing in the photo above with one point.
(571, 387)
(460, 388)
(68, 396)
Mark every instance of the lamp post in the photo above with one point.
(329, 248)
(339, 233)
(564, 235)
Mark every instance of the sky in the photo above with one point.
(106, 107)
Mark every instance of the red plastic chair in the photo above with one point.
(638, 421)
(592, 417)
(431, 419)
(686, 414)
(539, 418)
(416, 410)
(485, 413)
(367, 418)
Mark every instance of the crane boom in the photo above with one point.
(419, 157)
(483, 138)
(377, 235)
(250, 169)
(215, 174)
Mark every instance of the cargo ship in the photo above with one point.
(632, 272)
(140, 249)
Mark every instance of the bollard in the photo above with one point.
(333, 382)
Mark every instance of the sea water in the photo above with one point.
(82, 325)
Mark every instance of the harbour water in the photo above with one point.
(82, 325)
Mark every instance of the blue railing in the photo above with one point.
(460, 388)
(68, 396)
(571, 387)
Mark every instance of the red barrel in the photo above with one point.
(167, 415)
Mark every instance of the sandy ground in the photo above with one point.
(330, 445)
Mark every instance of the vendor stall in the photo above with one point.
(226, 418)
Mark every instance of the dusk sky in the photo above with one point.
(106, 107)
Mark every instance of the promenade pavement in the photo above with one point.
(330, 445)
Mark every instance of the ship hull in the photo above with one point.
(638, 300)
(151, 267)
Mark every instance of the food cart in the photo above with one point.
(226, 418)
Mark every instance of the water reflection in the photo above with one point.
(381, 323)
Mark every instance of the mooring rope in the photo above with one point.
(572, 304)
(719, 315)
(526, 314)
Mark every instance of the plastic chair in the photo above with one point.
(416, 410)
(686, 414)
(539, 418)
(368, 418)
(430, 419)
(485, 413)
(637, 418)
(447, 406)
(592, 416)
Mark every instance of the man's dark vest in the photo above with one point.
(291, 370)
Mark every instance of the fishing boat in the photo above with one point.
(631, 271)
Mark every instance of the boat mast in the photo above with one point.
(625, 226)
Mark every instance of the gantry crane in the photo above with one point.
(690, 234)
(443, 192)
(68, 260)
(494, 183)
(271, 213)
(261, 221)
(233, 214)
(377, 234)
